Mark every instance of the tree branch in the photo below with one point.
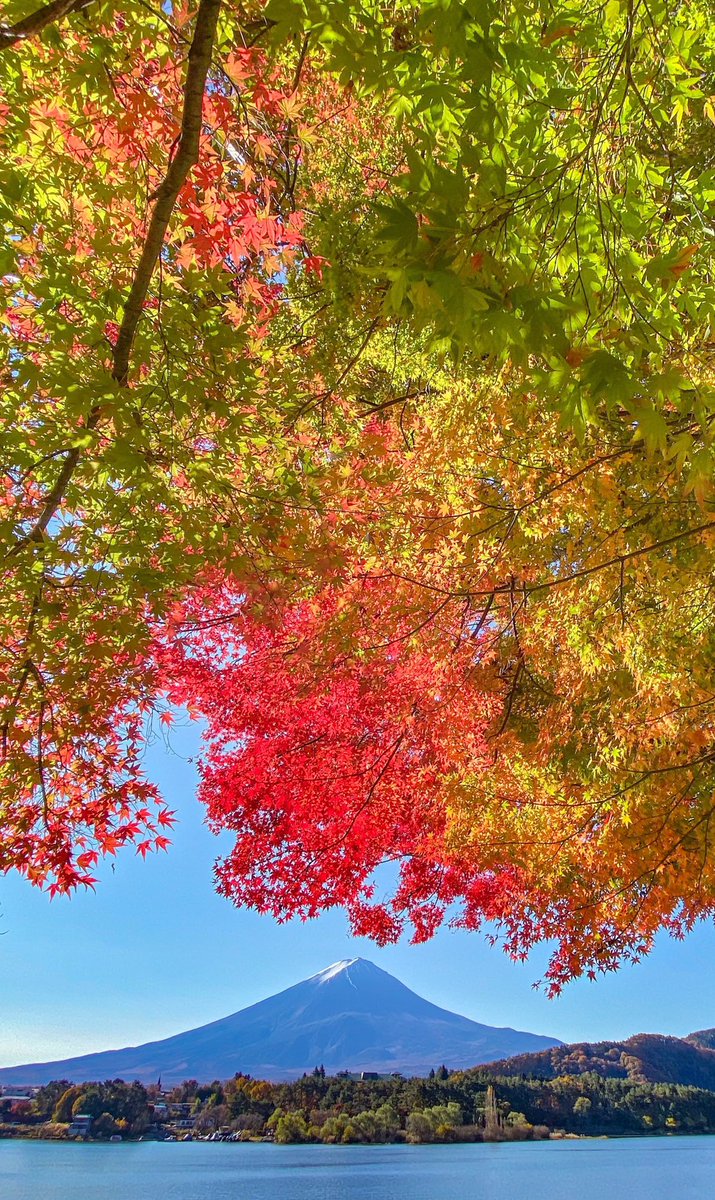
(186, 157)
(10, 35)
(54, 498)
(178, 170)
(618, 559)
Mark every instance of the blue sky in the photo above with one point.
(154, 950)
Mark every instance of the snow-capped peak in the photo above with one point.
(335, 969)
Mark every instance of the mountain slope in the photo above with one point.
(702, 1037)
(645, 1058)
(351, 1016)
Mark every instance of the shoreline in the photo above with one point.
(554, 1136)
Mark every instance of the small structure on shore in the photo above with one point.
(81, 1125)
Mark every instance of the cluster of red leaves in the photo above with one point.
(231, 212)
(327, 769)
(73, 790)
(230, 205)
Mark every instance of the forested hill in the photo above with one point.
(702, 1037)
(644, 1058)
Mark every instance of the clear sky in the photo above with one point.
(154, 951)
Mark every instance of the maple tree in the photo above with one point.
(111, 484)
(569, 791)
(359, 397)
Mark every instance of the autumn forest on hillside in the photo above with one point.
(459, 1106)
(358, 400)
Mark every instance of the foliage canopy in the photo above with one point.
(358, 394)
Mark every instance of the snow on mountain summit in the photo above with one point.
(335, 969)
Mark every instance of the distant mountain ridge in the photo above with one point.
(645, 1058)
(351, 1016)
(702, 1037)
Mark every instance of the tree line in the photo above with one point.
(450, 1106)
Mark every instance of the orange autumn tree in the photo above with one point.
(473, 684)
(444, 512)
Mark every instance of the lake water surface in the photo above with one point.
(627, 1169)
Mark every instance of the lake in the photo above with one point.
(624, 1169)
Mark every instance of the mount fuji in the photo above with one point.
(351, 1016)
